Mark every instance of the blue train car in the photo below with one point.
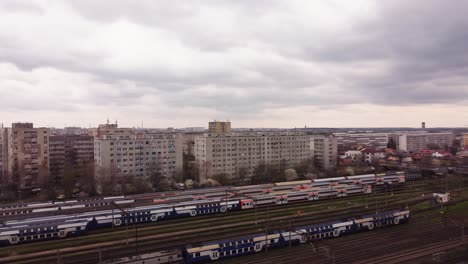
(204, 207)
(383, 219)
(231, 248)
(327, 230)
(31, 233)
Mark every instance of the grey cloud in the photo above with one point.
(418, 49)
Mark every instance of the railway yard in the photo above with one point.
(157, 226)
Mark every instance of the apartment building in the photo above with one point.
(376, 140)
(2, 172)
(324, 150)
(27, 154)
(229, 153)
(418, 141)
(109, 129)
(72, 152)
(219, 127)
(137, 154)
(465, 140)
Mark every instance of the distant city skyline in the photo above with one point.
(259, 63)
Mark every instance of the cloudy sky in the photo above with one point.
(259, 63)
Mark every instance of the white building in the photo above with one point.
(375, 140)
(370, 155)
(229, 153)
(137, 155)
(355, 155)
(26, 155)
(418, 141)
(324, 150)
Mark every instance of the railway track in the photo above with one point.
(146, 244)
(370, 247)
(92, 253)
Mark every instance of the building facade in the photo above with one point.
(465, 141)
(27, 155)
(418, 141)
(324, 150)
(109, 129)
(231, 153)
(371, 155)
(219, 127)
(2, 168)
(354, 155)
(137, 155)
(71, 153)
(376, 140)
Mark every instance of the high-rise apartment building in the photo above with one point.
(376, 140)
(2, 172)
(72, 153)
(109, 129)
(419, 141)
(228, 154)
(324, 150)
(27, 154)
(219, 127)
(137, 154)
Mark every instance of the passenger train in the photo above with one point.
(12, 231)
(218, 250)
(255, 243)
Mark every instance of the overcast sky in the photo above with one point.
(258, 63)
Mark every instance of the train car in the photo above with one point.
(247, 204)
(341, 190)
(379, 179)
(327, 230)
(32, 233)
(235, 247)
(266, 199)
(205, 207)
(297, 196)
(294, 183)
(293, 237)
(16, 211)
(160, 257)
(361, 179)
(383, 219)
(358, 189)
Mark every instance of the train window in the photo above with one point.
(21, 238)
(197, 254)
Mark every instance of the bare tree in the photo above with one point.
(68, 182)
(241, 175)
(222, 178)
(158, 181)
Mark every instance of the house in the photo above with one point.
(424, 153)
(370, 155)
(441, 154)
(354, 155)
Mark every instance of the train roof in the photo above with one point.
(329, 179)
(293, 183)
(361, 176)
(78, 222)
(197, 247)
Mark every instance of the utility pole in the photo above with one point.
(266, 238)
(289, 232)
(136, 238)
(100, 255)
